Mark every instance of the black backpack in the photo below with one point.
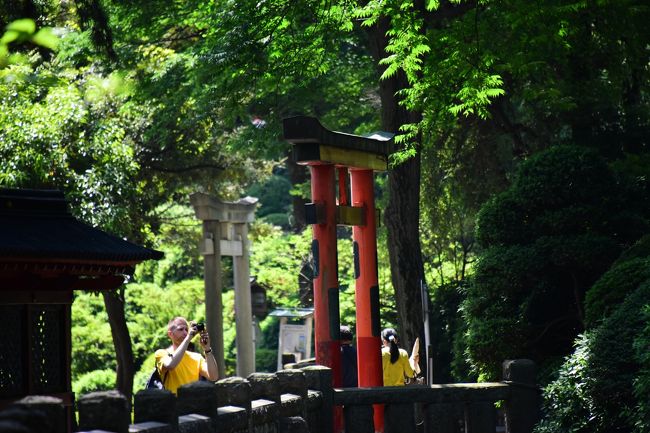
(155, 381)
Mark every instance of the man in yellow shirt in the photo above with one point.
(177, 365)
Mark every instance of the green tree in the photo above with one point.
(602, 386)
(546, 240)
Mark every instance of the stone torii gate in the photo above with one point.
(325, 152)
(225, 233)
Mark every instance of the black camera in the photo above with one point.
(200, 327)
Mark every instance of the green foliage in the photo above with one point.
(273, 195)
(450, 364)
(144, 372)
(23, 31)
(178, 237)
(92, 342)
(602, 387)
(641, 414)
(98, 380)
(547, 239)
(266, 360)
(610, 290)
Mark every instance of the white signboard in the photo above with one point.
(295, 339)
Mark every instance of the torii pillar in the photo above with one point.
(324, 151)
(225, 233)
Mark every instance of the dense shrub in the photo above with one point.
(603, 386)
(92, 343)
(447, 333)
(545, 241)
(641, 413)
(266, 360)
(612, 288)
(98, 380)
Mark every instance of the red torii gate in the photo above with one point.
(323, 151)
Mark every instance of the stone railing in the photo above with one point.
(292, 401)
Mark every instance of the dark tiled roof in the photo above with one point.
(305, 129)
(36, 224)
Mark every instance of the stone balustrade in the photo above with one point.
(292, 401)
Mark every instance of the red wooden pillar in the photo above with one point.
(367, 285)
(326, 285)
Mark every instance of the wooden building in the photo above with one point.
(46, 254)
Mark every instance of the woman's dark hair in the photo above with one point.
(390, 335)
(346, 333)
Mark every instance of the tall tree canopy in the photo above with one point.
(146, 101)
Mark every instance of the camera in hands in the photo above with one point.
(200, 326)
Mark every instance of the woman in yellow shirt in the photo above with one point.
(395, 361)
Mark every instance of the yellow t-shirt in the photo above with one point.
(394, 374)
(188, 370)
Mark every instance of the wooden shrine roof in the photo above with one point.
(36, 226)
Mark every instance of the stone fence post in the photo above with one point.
(104, 410)
(293, 382)
(35, 414)
(155, 409)
(234, 397)
(266, 399)
(522, 409)
(197, 406)
(319, 378)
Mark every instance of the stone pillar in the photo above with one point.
(319, 378)
(225, 232)
(266, 386)
(210, 249)
(104, 410)
(293, 382)
(35, 413)
(522, 409)
(198, 397)
(157, 405)
(243, 306)
(232, 393)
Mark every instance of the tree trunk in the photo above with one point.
(114, 303)
(402, 214)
